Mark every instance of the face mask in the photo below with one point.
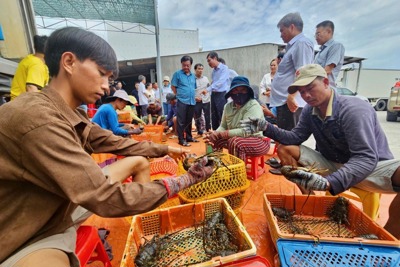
(240, 99)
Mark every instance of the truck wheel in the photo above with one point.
(391, 116)
(381, 105)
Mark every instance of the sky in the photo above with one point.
(367, 28)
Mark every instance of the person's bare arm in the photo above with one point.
(173, 89)
(32, 88)
(329, 68)
(291, 102)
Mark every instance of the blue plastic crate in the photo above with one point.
(310, 254)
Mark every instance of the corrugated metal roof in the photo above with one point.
(134, 11)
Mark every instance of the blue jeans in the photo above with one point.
(166, 108)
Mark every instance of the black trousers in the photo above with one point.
(286, 119)
(205, 107)
(218, 102)
(184, 118)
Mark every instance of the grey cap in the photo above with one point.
(170, 97)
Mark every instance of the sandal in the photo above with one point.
(192, 140)
(184, 143)
(275, 171)
(274, 163)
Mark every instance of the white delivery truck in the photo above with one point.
(374, 84)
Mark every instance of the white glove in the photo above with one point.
(307, 180)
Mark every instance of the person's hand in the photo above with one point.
(177, 153)
(253, 125)
(135, 131)
(306, 180)
(291, 103)
(267, 112)
(204, 92)
(198, 172)
(212, 137)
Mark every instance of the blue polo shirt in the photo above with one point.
(185, 87)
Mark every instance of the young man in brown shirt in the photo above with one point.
(48, 178)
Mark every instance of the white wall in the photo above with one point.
(15, 44)
(250, 61)
(135, 46)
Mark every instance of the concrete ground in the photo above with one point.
(252, 213)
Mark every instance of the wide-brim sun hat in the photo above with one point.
(166, 78)
(122, 95)
(306, 75)
(132, 99)
(240, 81)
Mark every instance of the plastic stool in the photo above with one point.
(89, 247)
(370, 201)
(275, 149)
(255, 163)
(91, 110)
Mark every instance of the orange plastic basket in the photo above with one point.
(124, 116)
(164, 168)
(147, 136)
(314, 218)
(155, 130)
(184, 225)
(160, 168)
(230, 182)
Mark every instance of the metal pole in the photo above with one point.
(158, 59)
(358, 75)
(29, 23)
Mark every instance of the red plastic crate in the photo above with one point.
(256, 261)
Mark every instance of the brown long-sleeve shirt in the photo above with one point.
(46, 170)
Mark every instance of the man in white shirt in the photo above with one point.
(165, 90)
(143, 100)
(203, 100)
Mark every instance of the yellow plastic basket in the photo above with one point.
(184, 225)
(230, 182)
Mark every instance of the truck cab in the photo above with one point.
(7, 70)
(393, 108)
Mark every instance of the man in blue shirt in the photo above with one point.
(299, 52)
(219, 86)
(183, 85)
(107, 118)
(170, 121)
(331, 55)
(350, 143)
